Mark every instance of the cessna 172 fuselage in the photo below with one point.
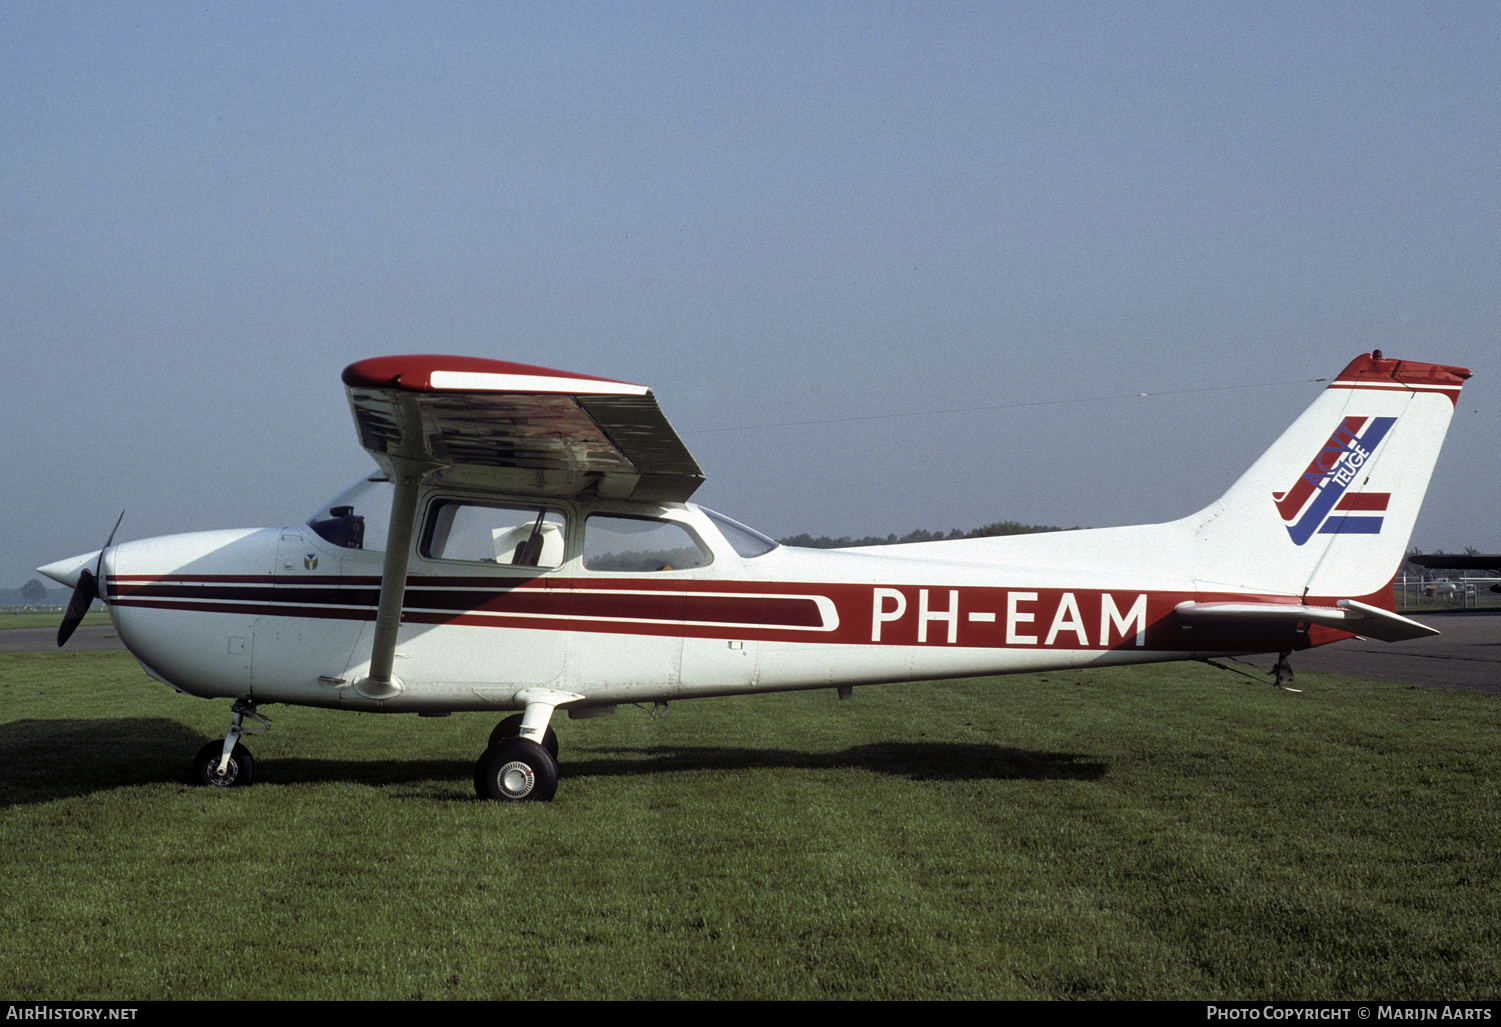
(528, 545)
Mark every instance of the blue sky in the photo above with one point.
(770, 213)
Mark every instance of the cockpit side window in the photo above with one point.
(359, 518)
(637, 544)
(512, 536)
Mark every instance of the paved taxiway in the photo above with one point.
(1466, 655)
(88, 638)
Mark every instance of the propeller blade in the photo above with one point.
(85, 591)
(83, 598)
(107, 543)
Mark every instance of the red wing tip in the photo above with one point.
(414, 372)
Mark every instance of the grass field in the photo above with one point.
(1165, 832)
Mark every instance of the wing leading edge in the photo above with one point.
(519, 429)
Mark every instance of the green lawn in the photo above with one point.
(1164, 832)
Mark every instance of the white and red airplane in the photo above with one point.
(528, 545)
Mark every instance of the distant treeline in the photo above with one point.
(807, 541)
(1414, 568)
(18, 597)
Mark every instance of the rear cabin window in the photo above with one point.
(640, 544)
(511, 536)
(748, 542)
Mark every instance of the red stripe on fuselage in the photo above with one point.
(867, 615)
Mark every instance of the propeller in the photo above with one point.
(84, 592)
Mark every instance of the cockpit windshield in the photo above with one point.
(360, 517)
(746, 541)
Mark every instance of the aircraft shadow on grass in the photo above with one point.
(937, 761)
(44, 760)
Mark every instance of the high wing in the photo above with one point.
(519, 429)
(511, 427)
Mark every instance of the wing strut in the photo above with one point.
(408, 466)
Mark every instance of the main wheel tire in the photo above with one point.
(511, 728)
(241, 772)
(516, 770)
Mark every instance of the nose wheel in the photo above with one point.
(228, 764)
(239, 774)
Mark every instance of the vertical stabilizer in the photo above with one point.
(1329, 509)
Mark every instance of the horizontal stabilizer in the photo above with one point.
(1347, 615)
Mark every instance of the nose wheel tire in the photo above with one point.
(516, 770)
(511, 728)
(240, 773)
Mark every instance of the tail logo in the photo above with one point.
(1317, 503)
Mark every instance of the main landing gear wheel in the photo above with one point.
(241, 772)
(516, 770)
(511, 728)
